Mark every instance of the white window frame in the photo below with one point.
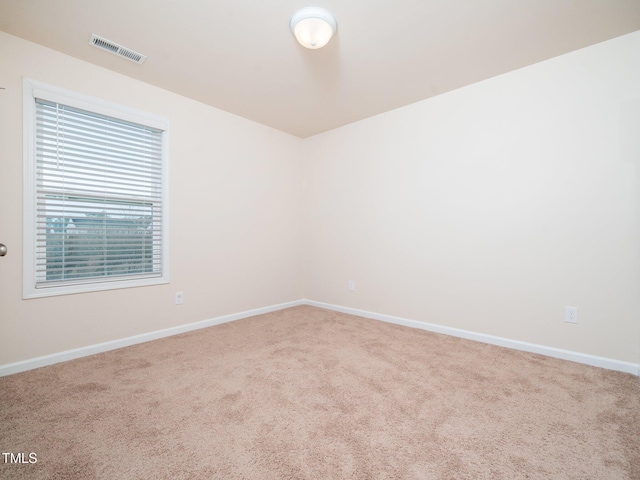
(33, 89)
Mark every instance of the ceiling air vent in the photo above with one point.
(116, 49)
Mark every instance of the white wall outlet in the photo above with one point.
(179, 298)
(571, 314)
(352, 286)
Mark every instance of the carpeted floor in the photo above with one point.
(307, 393)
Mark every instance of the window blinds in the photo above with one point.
(98, 197)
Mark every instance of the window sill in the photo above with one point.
(53, 291)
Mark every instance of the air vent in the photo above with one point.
(116, 49)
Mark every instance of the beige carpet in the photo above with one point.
(306, 393)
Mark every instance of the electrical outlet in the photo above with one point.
(179, 298)
(571, 314)
(352, 286)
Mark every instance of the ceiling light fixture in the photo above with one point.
(313, 27)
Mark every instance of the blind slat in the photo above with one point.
(107, 181)
(49, 158)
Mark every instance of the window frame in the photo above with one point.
(33, 89)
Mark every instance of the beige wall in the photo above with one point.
(235, 215)
(488, 209)
(492, 207)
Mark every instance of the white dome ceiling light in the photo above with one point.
(313, 27)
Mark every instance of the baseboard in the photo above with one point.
(602, 362)
(17, 367)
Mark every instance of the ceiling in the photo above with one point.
(240, 56)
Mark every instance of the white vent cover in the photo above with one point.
(116, 49)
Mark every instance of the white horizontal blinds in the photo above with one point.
(98, 197)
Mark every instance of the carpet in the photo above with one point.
(307, 393)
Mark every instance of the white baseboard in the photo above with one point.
(17, 367)
(602, 362)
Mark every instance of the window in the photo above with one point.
(95, 194)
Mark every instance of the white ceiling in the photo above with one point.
(240, 56)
